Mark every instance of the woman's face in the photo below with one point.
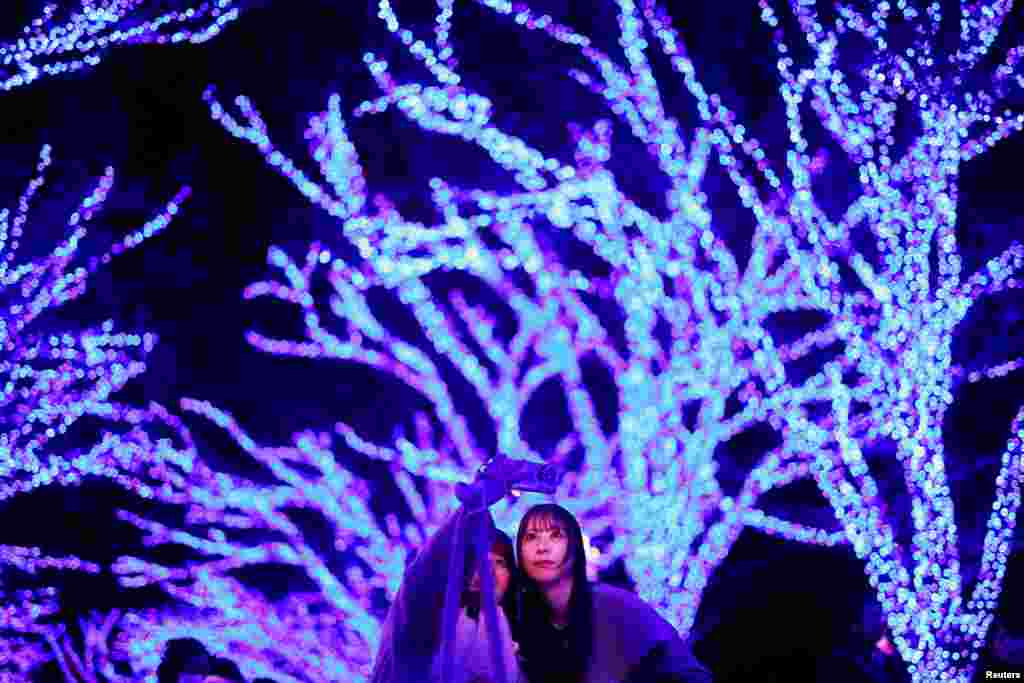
(500, 570)
(545, 551)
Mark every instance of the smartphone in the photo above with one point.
(540, 477)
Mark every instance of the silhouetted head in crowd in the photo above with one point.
(185, 661)
(224, 671)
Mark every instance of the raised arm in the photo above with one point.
(412, 631)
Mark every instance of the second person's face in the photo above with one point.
(502, 575)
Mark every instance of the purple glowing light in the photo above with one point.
(51, 379)
(895, 327)
(60, 42)
(892, 382)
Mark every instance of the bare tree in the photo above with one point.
(696, 338)
(65, 39)
(892, 382)
(55, 377)
(52, 379)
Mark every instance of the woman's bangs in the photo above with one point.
(545, 518)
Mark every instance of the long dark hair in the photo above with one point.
(534, 621)
(470, 600)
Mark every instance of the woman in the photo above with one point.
(449, 622)
(471, 646)
(573, 631)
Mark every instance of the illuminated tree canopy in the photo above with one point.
(657, 333)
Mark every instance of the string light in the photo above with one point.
(48, 381)
(650, 483)
(50, 45)
(895, 328)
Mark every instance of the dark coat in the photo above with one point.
(630, 643)
(634, 644)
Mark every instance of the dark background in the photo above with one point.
(773, 608)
